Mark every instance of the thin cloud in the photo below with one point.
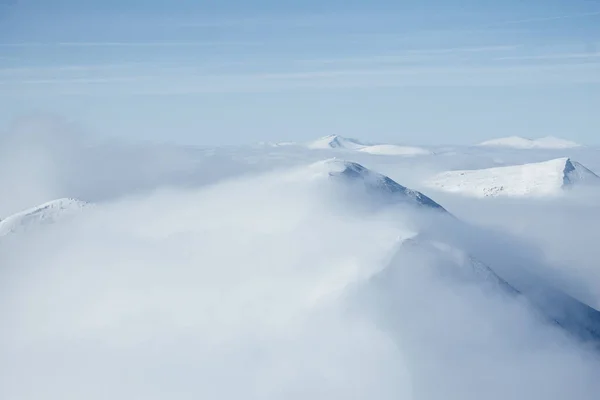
(372, 59)
(543, 19)
(480, 49)
(79, 80)
(565, 56)
(72, 68)
(181, 84)
(129, 44)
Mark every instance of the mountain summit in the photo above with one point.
(336, 142)
(342, 143)
(43, 214)
(374, 184)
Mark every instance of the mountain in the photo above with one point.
(517, 142)
(43, 214)
(546, 178)
(463, 266)
(336, 142)
(374, 184)
(394, 150)
(454, 264)
(342, 143)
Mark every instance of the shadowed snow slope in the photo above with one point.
(517, 142)
(463, 266)
(536, 179)
(42, 214)
(376, 185)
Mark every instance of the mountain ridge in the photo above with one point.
(45, 213)
(337, 142)
(547, 178)
(374, 182)
(517, 142)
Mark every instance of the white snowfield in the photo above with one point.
(548, 178)
(394, 150)
(43, 214)
(342, 143)
(517, 142)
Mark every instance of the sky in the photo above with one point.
(236, 72)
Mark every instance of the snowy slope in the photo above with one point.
(374, 184)
(335, 142)
(43, 214)
(455, 263)
(537, 179)
(342, 143)
(394, 150)
(517, 142)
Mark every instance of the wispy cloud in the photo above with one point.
(73, 67)
(408, 76)
(480, 49)
(84, 81)
(564, 56)
(412, 56)
(544, 19)
(131, 44)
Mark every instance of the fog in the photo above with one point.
(563, 230)
(246, 273)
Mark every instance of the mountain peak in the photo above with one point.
(517, 142)
(575, 173)
(374, 182)
(336, 142)
(342, 143)
(44, 213)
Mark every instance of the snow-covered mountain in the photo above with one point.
(463, 266)
(342, 143)
(395, 150)
(426, 244)
(43, 214)
(375, 184)
(336, 142)
(517, 142)
(546, 178)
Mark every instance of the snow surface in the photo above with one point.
(395, 150)
(45, 213)
(517, 142)
(464, 266)
(375, 183)
(342, 143)
(548, 178)
(273, 286)
(336, 142)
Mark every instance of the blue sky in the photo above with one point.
(231, 71)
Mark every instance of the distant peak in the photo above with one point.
(517, 142)
(44, 213)
(336, 142)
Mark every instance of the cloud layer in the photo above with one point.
(271, 286)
